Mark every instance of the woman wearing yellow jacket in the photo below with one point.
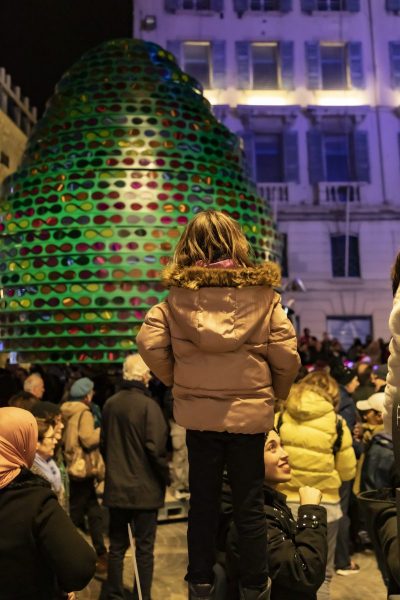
(320, 450)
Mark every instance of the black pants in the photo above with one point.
(243, 455)
(342, 554)
(83, 501)
(144, 524)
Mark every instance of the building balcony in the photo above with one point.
(338, 192)
(274, 192)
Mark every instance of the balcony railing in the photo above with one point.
(274, 192)
(339, 192)
(13, 104)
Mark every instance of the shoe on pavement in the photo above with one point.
(201, 591)
(102, 564)
(352, 569)
(256, 594)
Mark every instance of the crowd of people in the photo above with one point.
(278, 440)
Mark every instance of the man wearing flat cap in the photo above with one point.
(80, 432)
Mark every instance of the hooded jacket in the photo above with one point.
(223, 341)
(309, 432)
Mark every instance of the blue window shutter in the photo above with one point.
(248, 147)
(286, 52)
(240, 6)
(394, 52)
(313, 59)
(285, 5)
(217, 5)
(361, 156)
(291, 156)
(393, 5)
(308, 5)
(218, 64)
(315, 156)
(354, 51)
(352, 5)
(175, 47)
(243, 64)
(171, 5)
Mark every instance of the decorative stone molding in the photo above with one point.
(287, 114)
(356, 113)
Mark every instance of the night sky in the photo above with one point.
(40, 39)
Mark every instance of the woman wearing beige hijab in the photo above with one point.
(41, 552)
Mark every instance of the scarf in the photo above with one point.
(228, 263)
(48, 470)
(18, 439)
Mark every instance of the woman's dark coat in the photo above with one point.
(40, 548)
(297, 552)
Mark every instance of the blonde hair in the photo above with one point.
(134, 368)
(325, 382)
(212, 236)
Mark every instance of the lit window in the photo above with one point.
(333, 66)
(265, 66)
(342, 247)
(269, 158)
(196, 60)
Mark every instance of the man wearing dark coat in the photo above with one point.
(133, 443)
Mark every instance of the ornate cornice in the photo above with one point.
(317, 113)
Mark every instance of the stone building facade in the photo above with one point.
(17, 118)
(313, 89)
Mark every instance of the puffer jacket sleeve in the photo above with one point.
(154, 344)
(298, 562)
(282, 355)
(70, 557)
(392, 391)
(345, 460)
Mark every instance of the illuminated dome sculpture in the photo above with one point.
(125, 154)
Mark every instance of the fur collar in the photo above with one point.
(193, 278)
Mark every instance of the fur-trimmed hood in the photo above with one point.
(220, 309)
(193, 278)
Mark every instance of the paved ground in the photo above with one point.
(171, 564)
